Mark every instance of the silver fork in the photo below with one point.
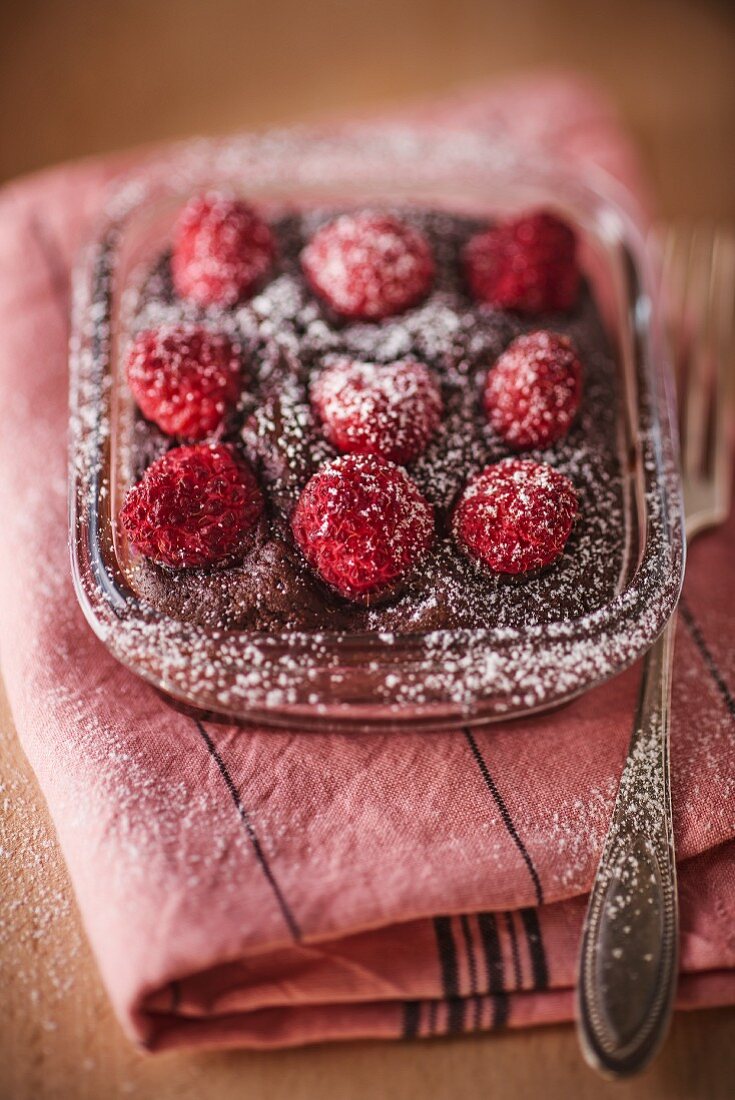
(629, 952)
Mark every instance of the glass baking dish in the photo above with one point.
(367, 681)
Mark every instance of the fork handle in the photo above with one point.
(630, 943)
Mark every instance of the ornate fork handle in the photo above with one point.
(629, 957)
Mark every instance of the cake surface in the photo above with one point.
(288, 336)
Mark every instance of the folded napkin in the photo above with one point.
(262, 888)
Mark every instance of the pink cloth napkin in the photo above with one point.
(260, 888)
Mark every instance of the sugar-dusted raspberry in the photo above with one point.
(362, 524)
(528, 264)
(194, 506)
(390, 410)
(184, 378)
(515, 516)
(533, 392)
(368, 265)
(222, 250)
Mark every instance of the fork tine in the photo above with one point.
(675, 266)
(698, 388)
(723, 335)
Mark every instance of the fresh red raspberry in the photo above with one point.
(222, 250)
(184, 378)
(194, 506)
(533, 392)
(362, 524)
(368, 265)
(389, 410)
(515, 516)
(529, 264)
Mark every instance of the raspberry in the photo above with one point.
(362, 524)
(387, 410)
(515, 516)
(529, 264)
(222, 250)
(533, 392)
(368, 265)
(184, 379)
(194, 506)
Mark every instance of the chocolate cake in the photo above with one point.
(286, 334)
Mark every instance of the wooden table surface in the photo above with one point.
(83, 77)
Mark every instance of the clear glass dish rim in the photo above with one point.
(106, 602)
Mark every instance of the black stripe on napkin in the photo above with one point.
(515, 953)
(706, 654)
(472, 968)
(411, 1019)
(450, 974)
(505, 815)
(251, 834)
(537, 954)
(488, 926)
